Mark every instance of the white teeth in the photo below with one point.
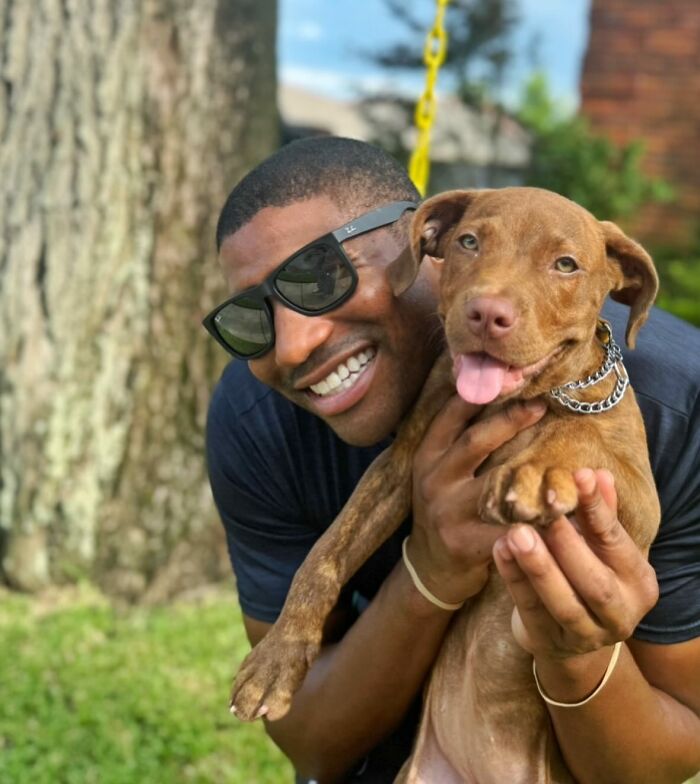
(345, 375)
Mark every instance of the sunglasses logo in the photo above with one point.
(315, 280)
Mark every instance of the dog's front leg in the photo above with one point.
(278, 664)
(536, 484)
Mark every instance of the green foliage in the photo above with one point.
(90, 694)
(680, 283)
(569, 158)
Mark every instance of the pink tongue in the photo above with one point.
(479, 377)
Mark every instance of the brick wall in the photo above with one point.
(641, 79)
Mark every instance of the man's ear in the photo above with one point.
(429, 227)
(634, 279)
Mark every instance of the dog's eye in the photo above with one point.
(469, 241)
(566, 264)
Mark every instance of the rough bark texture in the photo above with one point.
(122, 127)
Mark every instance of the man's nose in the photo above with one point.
(297, 336)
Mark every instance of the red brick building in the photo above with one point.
(641, 79)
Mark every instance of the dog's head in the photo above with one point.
(523, 276)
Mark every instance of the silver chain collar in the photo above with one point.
(612, 362)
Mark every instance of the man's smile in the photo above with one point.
(345, 375)
(345, 386)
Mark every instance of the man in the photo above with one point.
(334, 361)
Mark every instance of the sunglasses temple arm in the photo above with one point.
(374, 220)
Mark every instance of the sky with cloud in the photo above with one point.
(321, 44)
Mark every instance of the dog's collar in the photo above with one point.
(611, 362)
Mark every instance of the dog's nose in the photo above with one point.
(490, 316)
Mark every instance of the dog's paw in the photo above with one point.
(528, 494)
(270, 675)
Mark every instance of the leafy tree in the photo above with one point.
(569, 158)
(479, 47)
(478, 53)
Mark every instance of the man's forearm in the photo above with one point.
(359, 689)
(630, 732)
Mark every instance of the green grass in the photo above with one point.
(92, 694)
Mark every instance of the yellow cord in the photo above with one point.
(434, 54)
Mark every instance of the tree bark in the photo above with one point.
(123, 125)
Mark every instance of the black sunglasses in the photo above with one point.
(317, 278)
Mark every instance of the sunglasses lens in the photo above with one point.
(315, 279)
(245, 326)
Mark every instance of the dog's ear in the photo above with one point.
(428, 231)
(434, 218)
(634, 279)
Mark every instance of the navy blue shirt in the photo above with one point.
(280, 476)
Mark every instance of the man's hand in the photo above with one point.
(450, 546)
(577, 586)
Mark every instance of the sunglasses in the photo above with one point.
(316, 279)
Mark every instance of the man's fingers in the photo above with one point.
(606, 487)
(447, 426)
(483, 438)
(531, 620)
(600, 559)
(594, 581)
(543, 594)
(597, 509)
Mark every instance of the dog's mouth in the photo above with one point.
(482, 378)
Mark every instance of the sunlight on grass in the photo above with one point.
(94, 694)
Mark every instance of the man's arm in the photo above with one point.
(577, 590)
(360, 687)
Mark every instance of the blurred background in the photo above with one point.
(123, 126)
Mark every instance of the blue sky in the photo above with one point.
(319, 41)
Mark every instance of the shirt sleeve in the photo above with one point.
(664, 370)
(675, 554)
(267, 540)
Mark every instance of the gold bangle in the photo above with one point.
(421, 588)
(611, 666)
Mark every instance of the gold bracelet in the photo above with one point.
(421, 588)
(597, 690)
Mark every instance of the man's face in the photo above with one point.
(379, 346)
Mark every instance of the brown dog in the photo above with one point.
(524, 274)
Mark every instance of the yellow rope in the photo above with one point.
(434, 54)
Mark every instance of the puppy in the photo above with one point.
(523, 276)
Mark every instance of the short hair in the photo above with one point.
(352, 173)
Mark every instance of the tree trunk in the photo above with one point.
(123, 125)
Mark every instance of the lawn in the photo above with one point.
(90, 693)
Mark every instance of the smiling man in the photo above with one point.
(329, 361)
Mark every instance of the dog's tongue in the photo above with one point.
(479, 377)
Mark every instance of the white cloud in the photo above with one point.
(308, 30)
